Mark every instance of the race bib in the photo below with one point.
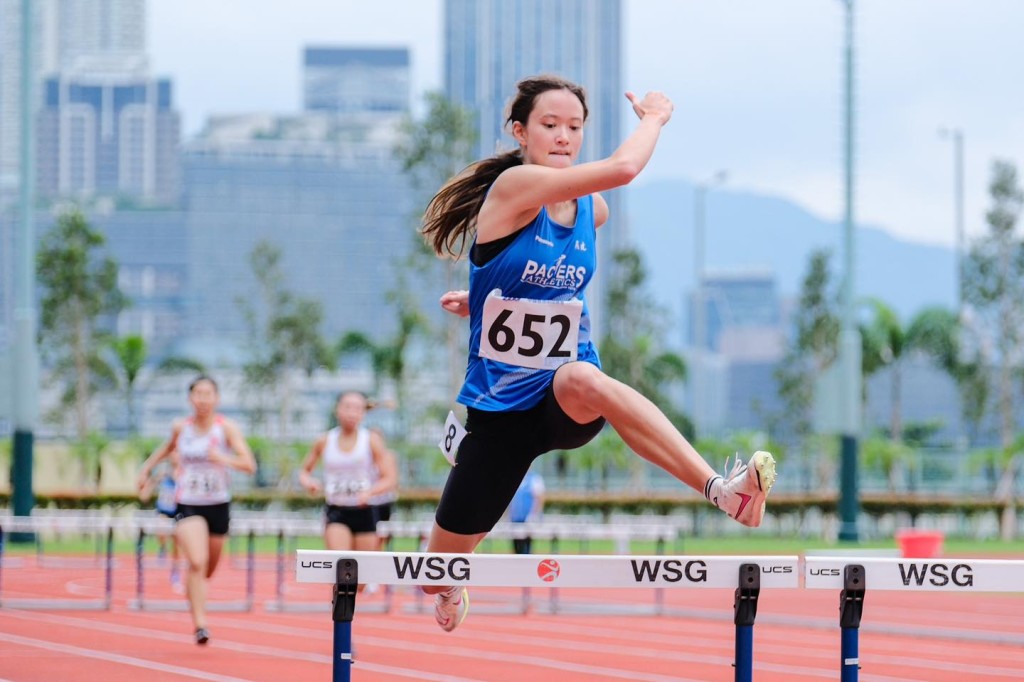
(453, 435)
(342, 490)
(528, 333)
(204, 485)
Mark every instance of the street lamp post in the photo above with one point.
(699, 305)
(957, 135)
(25, 380)
(849, 339)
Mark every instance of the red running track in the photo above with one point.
(934, 637)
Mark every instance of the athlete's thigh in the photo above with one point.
(365, 542)
(338, 536)
(492, 460)
(193, 537)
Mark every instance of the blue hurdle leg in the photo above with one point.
(744, 612)
(850, 670)
(851, 607)
(342, 652)
(744, 653)
(344, 604)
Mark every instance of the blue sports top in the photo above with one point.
(545, 262)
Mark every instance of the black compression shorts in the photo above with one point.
(218, 516)
(358, 519)
(495, 455)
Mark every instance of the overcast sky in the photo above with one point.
(757, 85)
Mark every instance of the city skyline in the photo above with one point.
(757, 87)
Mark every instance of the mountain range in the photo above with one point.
(749, 231)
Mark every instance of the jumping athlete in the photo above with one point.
(533, 380)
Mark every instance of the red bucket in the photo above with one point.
(920, 544)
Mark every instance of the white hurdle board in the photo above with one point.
(924, 575)
(538, 570)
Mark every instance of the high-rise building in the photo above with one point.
(64, 33)
(327, 193)
(347, 80)
(735, 301)
(107, 128)
(491, 44)
(732, 384)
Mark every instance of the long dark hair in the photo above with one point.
(450, 219)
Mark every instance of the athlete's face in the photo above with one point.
(553, 133)
(203, 397)
(350, 411)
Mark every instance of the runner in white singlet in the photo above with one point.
(351, 456)
(207, 446)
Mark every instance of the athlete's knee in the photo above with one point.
(583, 384)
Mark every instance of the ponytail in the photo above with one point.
(450, 219)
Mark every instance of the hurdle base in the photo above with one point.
(279, 606)
(182, 605)
(28, 604)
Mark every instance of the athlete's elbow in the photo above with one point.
(622, 171)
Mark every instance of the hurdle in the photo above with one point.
(280, 604)
(662, 534)
(68, 521)
(744, 575)
(141, 603)
(29, 524)
(853, 575)
(297, 524)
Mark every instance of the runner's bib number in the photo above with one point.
(344, 491)
(204, 485)
(454, 432)
(528, 333)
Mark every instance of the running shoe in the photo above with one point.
(746, 488)
(451, 607)
(202, 636)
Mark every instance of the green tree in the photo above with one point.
(994, 289)
(388, 358)
(89, 451)
(79, 288)
(886, 342)
(432, 150)
(939, 333)
(632, 351)
(812, 349)
(130, 355)
(284, 332)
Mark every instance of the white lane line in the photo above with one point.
(118, 658)
(533, 643)
(273, 652)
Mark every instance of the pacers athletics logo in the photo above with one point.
(548, 570)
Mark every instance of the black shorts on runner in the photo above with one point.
(358, 519)
(383, 511)
(218, 516)
(495, 455)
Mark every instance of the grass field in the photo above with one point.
(746, 544)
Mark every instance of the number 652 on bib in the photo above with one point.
(529, 333)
